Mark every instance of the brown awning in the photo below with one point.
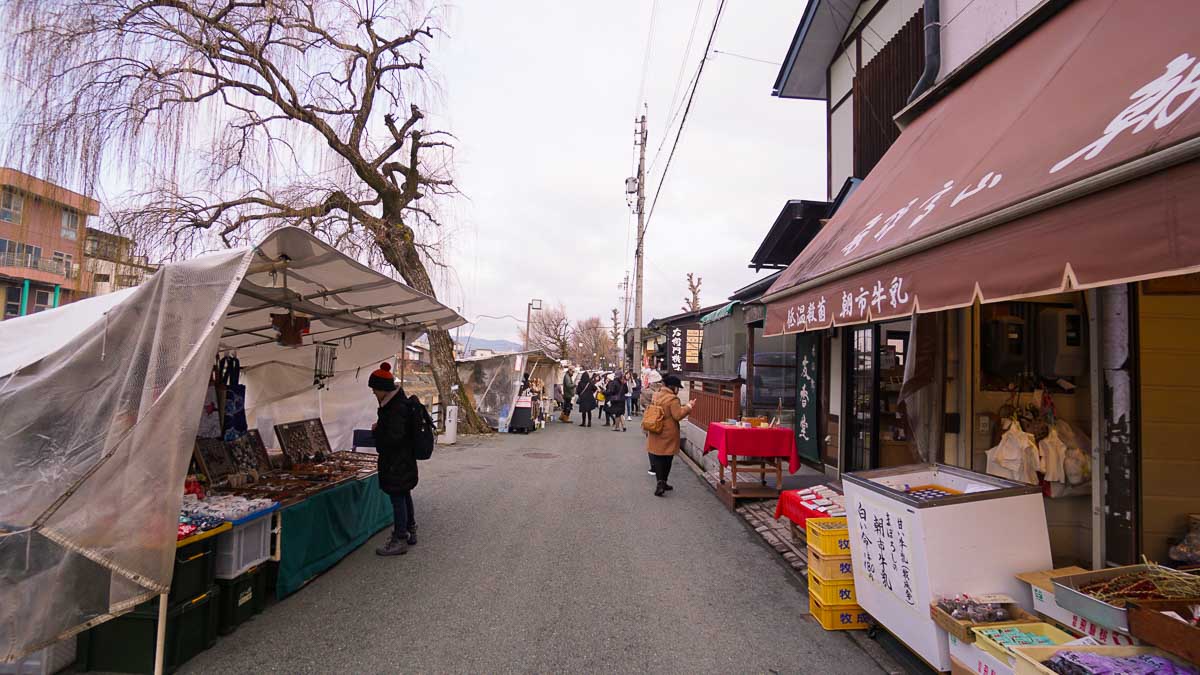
(1070, 162)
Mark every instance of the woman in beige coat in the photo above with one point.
(663, 445)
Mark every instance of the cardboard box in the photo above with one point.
(975, 660)
(1029, 659)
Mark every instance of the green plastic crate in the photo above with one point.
(241, 599)
(126, 644)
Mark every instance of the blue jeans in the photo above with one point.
(628, 406)
(402, 511)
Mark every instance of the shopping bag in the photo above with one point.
(1016, 457)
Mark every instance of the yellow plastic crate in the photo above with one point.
(831, 567)
(1001, 652)
(828, 536)
(832, 593)
(849, 617)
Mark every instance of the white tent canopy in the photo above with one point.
(100, 401)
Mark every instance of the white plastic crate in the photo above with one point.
(244, 547)
(45, 662)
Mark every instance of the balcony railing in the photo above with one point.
(26, 261)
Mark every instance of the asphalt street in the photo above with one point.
(549, 553)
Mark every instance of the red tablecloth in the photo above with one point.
(791, 506)
(729, 440)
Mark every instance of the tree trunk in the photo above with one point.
(403, 256)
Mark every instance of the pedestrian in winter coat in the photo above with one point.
(587, 400)
(568, 390)
(636, 400)
(663, 445)
(615, 395)
(397, 463)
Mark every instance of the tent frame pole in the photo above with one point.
(160, 642)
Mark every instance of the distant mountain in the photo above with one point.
(498, 346)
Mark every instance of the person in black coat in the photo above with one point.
(397, 462)
(614, 397)
(587, 399)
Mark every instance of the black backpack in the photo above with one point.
(422, 432)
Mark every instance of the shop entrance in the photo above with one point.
(877, 430)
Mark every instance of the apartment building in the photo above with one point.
(42, 236)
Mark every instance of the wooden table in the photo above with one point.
(755, 450)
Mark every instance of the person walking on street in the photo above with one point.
(397, 461)
(615, 394)
(636, 400)
(664, 443)
(629, 394)
(568, 391)
(587, 399)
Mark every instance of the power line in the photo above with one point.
(748, 58)
(646, 57)
(687, 108)
(687, 51)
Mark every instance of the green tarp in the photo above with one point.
(718, 314)
(323, 529)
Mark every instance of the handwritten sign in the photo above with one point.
(886, 541)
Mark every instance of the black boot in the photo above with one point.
(668, 488)
(660, 488)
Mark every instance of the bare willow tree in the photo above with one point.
(232, 117)
(550, 331)
(691, 303)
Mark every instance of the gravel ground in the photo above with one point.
(548, 553)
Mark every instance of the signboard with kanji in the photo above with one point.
(684, 342)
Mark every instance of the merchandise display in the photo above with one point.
(929, 492)
(966, 608)
(1014, 636)
(303, 441)
(1069, 662)
(1153, 583)
(824, 500)
(224, 507)
(195, 523)
(212, 455)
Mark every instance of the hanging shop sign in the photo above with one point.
(683, 347)
(807, 400)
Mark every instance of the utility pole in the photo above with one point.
(625, 298)
(639, 252)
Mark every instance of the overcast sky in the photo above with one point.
(542, 95)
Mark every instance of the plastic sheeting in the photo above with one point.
(492, 384)
(100, 402)
(95, 440)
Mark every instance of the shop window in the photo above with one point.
(11, 205)
(12, 301)
(41, 300)
(1026, 346)
(101, 278)
(70, 225)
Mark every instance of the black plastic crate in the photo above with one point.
(195, 570)
(241, 599)
(126, 644)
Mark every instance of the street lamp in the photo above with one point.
(533, 304)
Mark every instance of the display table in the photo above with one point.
(326, 527)
(754, 450)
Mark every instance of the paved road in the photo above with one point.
(548, 553)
